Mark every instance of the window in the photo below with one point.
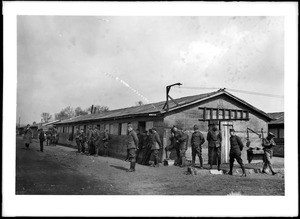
(214, 114)
(245, 115)
(233, 114)
(106, 127)
(124, 129)
(221, 114)
(149, 125)
(120, 129)
(239, 115)
(226, 114)
(281, 133)
(207, 113)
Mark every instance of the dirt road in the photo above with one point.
(60, 170)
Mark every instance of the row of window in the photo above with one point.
(222, 114)
(114, 128)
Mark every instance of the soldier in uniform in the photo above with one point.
(182, 139)
(105, 142)
(89, 139)
(48, 134)
(42, 139)
(155, 145)
(146, 148)
(77, 138)
(196, 142)
(132, 146)
(268, 144)
(214, 139)
(140, 137)
(28, 135)
(82, 139)
(170, 147)
(236, 146)
(96, 139)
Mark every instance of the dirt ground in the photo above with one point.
(60, 170)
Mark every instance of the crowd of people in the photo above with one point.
(146, 147)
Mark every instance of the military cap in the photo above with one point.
(196, 127)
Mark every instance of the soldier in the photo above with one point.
(146, 148)
(182, 139)
(82, 139)
(96, 140)
(177, 136)
(132, 146)
(236, 146)
(170, 147)
(105, 142)
(155, 145)
(196, 142)
(48, 137)
(77, 137)
(89, 139)
(54, 138)
(214, 139)
(42, 139)
(268, 144)
(28, 135)
(140, 137)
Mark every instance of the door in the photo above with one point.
(225, 127)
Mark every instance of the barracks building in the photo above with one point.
(218, 107)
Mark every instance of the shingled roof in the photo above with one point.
(154, 109)
(278, 118)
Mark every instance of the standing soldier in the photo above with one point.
(146, 148)
(82, 139)
(77, 137)
(132, 146)
(182, 139)
(96, 139)
(105, 143)
(89, 140)
(155, 145)
(268, 144)
(42, 139)
(140, 137)
(214, 139)
(28, 135)
(48, 137)
(236, 146)
(170, 147)
(196, 142)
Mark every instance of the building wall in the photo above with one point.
(190, 116)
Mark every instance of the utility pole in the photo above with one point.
(168, 88)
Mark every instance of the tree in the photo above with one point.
(98, 109)
(65, 113)
(139, 103)
(80, 112)
(46, 117)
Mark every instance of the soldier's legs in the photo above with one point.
(132, 160)
(178, 160)
(41, 145)
(82, 146)
(78, 146)
(212, 156)
(231, 161)
(219, 157)
(193, 156)
(183, 159)
(240, 162)
(156, 153)
(268, 162)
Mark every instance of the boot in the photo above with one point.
(244, 172)
(183, 162)
(201, 162)
(132, 167)
(193, 161)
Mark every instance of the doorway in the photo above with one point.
(225, 126)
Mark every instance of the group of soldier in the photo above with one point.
(149, 144)
(89, 141)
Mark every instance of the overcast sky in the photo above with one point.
(116, 61)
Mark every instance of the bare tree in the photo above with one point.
(46, 117)
(65, 113)
(80, 112)
(97, 109)
(139, 103)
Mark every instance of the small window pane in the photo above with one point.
(201, 115)
(239, 114)
(214, 116)
(244, 115)
(207, 113)
(233, 113)
(221, 114)
(226, 114)
(281, 133)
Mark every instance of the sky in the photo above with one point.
(116, 61)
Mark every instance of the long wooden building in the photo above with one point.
(220, 107)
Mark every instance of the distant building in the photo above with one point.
(220, 107)
(276, 126)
